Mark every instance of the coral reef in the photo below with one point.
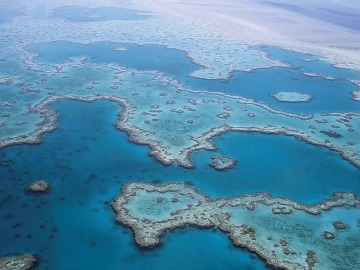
(222, 163)
(285, 233)
(292, 97)
(39, 186)
(24, 262)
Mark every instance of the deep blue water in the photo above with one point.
(280, 165)
(176, 63)
(86, 160)
(85, 14)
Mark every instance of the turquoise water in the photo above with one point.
(84, 14)
(86, 160)
(175, 63)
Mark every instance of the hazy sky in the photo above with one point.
(342, 13)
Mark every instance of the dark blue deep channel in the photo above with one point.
(86, 161)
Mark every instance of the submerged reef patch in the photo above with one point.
(24, 262)
(292, 97)
(222, 163)
(39, 186)
(285, 233)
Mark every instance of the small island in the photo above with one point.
(24, 262)
(39, 186)
(222, 163)
(285, 233)
(292, 97)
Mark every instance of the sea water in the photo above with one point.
(86, 161)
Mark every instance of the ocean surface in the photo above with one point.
(86, 161)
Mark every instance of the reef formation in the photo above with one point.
(173, 135)
(39, 186)
(285, 233)
(24, 262)
(292, 97)
(222, 163)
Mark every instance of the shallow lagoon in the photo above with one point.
(93, 160)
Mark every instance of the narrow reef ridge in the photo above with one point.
(24, 262)
(222, 163)
(292, 97)
(285, 233)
